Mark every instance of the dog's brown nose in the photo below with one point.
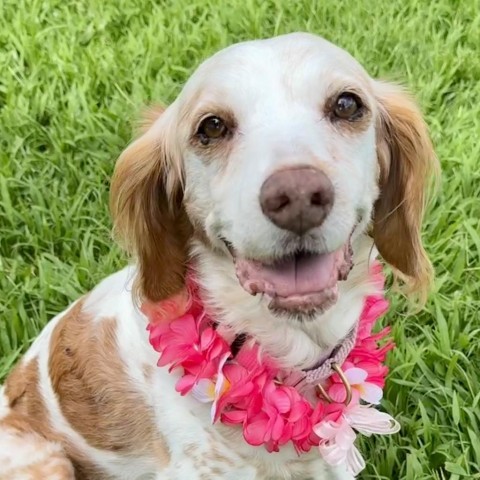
(297, 199)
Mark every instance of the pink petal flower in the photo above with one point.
(234, 416)
(277, 428)
(375, 306)
(169, 354)
(301, 427)
(372, 368)
(207, 337)
(338, 393)
(280, 400)
(254, 432)
(298, 410)
(185, 328)
(185, 384)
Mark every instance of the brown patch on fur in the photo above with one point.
(21, 389)
(30, 415)
(95, 394)
(407, 166)
(56, 467)
(146, 203)
(53, 464)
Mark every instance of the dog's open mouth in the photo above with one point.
(302, 283)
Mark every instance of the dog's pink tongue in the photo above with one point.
(296, 276)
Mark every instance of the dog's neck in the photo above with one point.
(295, 344)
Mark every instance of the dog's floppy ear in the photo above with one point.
(146, 201)
(407, 167)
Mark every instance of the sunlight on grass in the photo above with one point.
(74, 76)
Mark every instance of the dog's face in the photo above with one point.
(274, 155)
(279, 151)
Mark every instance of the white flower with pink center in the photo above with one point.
(207, 390)
(361, 389)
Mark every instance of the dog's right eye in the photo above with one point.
(211, 128)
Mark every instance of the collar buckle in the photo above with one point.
(348, 388)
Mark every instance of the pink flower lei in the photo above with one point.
(271, 405)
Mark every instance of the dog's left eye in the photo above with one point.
(211, 128)
(348, 106)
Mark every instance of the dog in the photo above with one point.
(276, 176)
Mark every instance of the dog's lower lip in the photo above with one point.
(309, 302)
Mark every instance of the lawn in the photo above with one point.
(74, 76)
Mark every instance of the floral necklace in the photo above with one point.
(274, 406)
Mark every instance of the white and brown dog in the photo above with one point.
(271, 173)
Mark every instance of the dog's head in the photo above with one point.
(277, 154)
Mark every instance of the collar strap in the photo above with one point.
(337, 357)
(326, 366)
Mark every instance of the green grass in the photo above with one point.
(74, 75)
